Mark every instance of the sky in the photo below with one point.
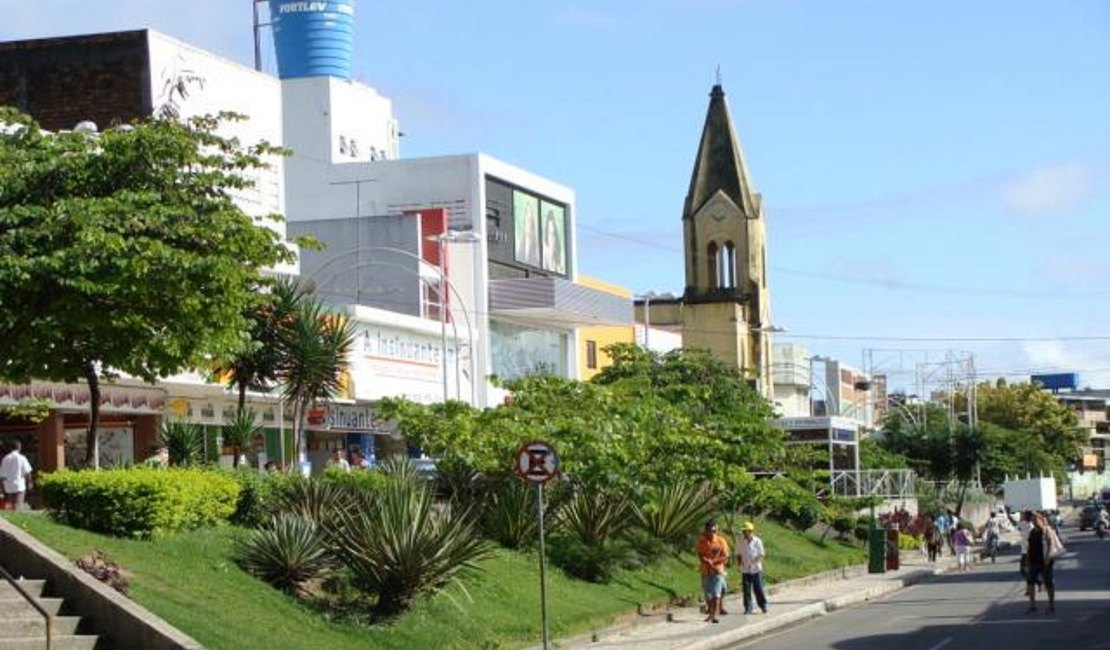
(934, 174)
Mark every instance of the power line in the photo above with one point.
(892, 285)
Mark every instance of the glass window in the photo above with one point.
(518, 351)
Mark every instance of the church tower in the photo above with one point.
(726, 307)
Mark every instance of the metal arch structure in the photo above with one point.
(444, 282)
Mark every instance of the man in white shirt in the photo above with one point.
(750, 550)
(15, 472)
(338, 461)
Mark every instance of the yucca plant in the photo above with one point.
(594, 516)
(287, 553)
(239, 431)
(183, 440)
(676, 512)
(314, 499)
(404, 546)
(510, 518)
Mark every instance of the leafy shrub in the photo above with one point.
(862, 527)
(258, 495)
(402, 545)
(140, 502)
(785, 500)
(105, 570)
(287, 553)
(510, 518)
(674, 513)
(355, 481)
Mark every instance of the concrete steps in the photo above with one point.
(23, 628)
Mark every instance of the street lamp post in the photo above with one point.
(647, 298)
(442, 239)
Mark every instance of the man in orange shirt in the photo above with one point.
(713, 554)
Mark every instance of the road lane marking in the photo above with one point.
(941, 644)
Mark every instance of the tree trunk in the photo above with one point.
(299, 409)
(92, 440)
(242, 396)
(960, 500)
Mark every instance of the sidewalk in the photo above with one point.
(788, 602)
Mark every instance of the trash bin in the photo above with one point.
(876, 550)
(892, 548)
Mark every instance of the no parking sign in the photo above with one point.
(536, 462)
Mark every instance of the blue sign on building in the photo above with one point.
(1056, 382)
(313, 38)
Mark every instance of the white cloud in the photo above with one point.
(1051, 190)
(1091, 360)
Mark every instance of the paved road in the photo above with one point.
(983, 609)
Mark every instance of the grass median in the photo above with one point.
(191, 581)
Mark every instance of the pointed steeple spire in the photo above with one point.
(720, 162)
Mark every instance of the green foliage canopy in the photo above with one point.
(647, 420)
(124, 250)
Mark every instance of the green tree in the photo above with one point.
(314, 345)
(645, 421)
(124, 251)
(1026, 407)
(256, 363)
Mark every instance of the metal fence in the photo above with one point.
(887, 483)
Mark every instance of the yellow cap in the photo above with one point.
(748, 526)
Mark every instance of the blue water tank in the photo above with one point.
(313, 38)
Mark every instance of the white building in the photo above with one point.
(510, 304)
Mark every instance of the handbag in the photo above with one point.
(1055, 546)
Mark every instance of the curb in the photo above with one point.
(813, 610)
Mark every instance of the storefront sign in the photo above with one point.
(355, 418)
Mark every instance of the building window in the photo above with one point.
(713, 265)
(727, 266)
(591, 355)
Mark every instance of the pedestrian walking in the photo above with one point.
(15, 474)
(1024, 527)
(961, 540)
(713, 553)
(933, 540)
(943, 523)
(1044, 548)
(750, 550)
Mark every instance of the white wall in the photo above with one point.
(223, 85)
(214, 84)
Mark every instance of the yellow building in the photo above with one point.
(592, 340)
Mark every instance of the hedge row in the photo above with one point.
(140, 502)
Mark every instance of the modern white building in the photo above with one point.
(481, 254)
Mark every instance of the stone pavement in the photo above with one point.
(788, 602)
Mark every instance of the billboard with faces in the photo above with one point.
(524, 229)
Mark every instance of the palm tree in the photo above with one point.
(314, 346)
(256, 366)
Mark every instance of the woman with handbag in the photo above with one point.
(1044, 548)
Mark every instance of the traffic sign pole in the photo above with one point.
(537, 462)
(543, 566)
